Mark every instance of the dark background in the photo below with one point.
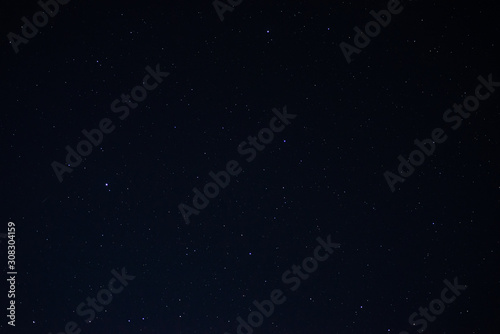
(322, 175)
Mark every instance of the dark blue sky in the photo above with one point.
(322, 175)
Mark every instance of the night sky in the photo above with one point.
(259, 167)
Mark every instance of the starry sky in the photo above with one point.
(215, 86)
